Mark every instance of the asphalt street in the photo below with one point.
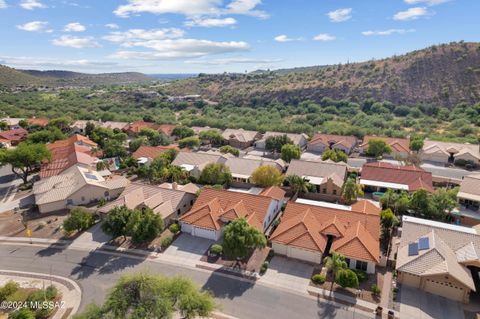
(96, 272)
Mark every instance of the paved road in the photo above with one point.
(96, 272)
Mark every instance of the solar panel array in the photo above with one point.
(413, 249)
(423, 243)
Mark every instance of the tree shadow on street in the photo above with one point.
(222, 286)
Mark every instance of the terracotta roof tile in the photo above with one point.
(38, 121)
(329, 139)
(397, 144)
(152, 151)
(273, 192)
(15, 135)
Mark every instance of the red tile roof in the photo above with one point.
(274, 192)
(397, 144)
(152, 151)
(38, 121)
(167, 129)
(16, 135)
(356, 231)
(414, 177)
(213, 205)
(327, 139)
(137, 126)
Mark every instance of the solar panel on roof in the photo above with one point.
(90, 176)
(423, 243)
(412, 249)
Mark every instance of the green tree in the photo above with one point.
(46, 136)
(402, 204)
(416, 143)
(298, 184)
(239, 239)
(22, 313)
(213, 137)
(334, 155)
(116, 221)
(346, 278)
(227, 149)
(114, 148)
(62, 123)
(266, 176)
(275, 143)
(144, 225)
(78, 220)
(335, 262)
(142, 295)
(24, 159)
(389, 199)
(421, 203)
(3, 126)
(190, 142)
(377, 148)
(182, 132)
(290, 152)
(350, 191)
(388, 220)
(176, 174)
(216, 174)
(135, 144)
(444, 200)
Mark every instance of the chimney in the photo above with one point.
(174, 185)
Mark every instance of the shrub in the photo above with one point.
(361, 275)
(346, 278)
(318, 279)
(264, 267)
(10, 288)
(166, 241)
(174, 228)
(22, 313)
(376, 290)
(51, 292)
(78, 220)
(216, 249)
(271, 253)
(101, 202)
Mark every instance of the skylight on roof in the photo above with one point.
(91, 176)
(423, 243)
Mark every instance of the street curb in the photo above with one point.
(64, 281)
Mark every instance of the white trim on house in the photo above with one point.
(368, 182)
(432, 223)
(323, 204)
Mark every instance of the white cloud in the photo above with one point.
(388, 32)
(190, 8)
(238, 60)
(180, 48)
(36, 62)
(112, 26)
(282, 38)
(74, 27)
(411, 14)
(135, 35)
(3, 4)
(340, 15)
(426, 2)
(76, 42)
(33, 26)
(324, 37)
(32, 4)
(210, 22)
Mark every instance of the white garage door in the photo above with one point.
(410, 280)
(304, 255)
(204, 233)
(444, 289)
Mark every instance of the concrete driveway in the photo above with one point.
(92, 238)
(418, 304)
(288, 273)
(188, 247)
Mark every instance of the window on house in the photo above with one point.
(191, 202)
(83, 198)
(107, 194)
(324, 190)
(361, 265)
(69, 202)
(178, 212)
(334, 192)
(347, 260)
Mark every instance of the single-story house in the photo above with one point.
(311, 230)
(194, 162)
(199, 129)
(298, 139)
(469, 196)
(13, 137)
(188, 188)
(169, 203)
(12, 123)
(240, 138)
(121, 126)
(322, 142)
(76, 186)
(434, 256)
(134, 128)
(146, 154)
(380, 176)
(400, 146)
(78, 127)
(446, 152)
(36, 121)
(215, 208)
(75, 150)
(242, 169)
(327, 177)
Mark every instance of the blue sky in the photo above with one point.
(190, 36)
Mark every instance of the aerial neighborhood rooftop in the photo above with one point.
(324, 197)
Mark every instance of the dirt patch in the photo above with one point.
(154, 245)
(253, 262)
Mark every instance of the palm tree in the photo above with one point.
(298, 185)
(389, 199)
(335, 263)
(175, 174)
(350, 191)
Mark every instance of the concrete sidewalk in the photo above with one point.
(69, 289)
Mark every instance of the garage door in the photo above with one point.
(204, 233)
(410, 280)
(304, 255)
(444, 289)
